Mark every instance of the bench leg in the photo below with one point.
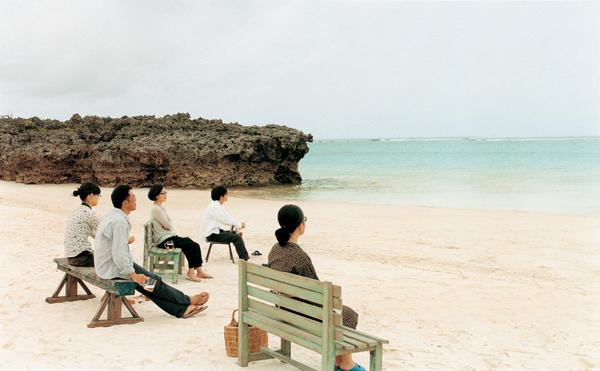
(327, 361)
(181, 262)
(151, 264)
(286, 347)
(176, 266)
(208, 252)
(243, 344)
(375, 359)
(113, 305)
(70, 284)
(231, 254)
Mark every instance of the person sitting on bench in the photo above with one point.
(112, 259)
(163, 231)
(216, 216)
(81, 225)
(287, 256)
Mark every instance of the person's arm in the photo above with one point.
(138, 278)
(158, 215)
(92, 220)
(120, 250)
(304, 265)
(223, 217)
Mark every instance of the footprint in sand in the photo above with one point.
(8, 345)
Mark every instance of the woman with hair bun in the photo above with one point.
(81, 225)
(287, 256)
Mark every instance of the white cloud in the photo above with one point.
(336, 69)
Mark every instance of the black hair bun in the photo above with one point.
(76, 193)
(283, 236)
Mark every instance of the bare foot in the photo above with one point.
(192, 278)
(202, 273)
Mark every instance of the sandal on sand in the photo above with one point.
(195, 311)
(203, 298)
(356, 367)
(256, 253)
(195, 279)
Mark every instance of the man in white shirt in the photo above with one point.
(216, 216)
(112, 259)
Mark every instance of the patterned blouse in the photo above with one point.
(292, 259)
(81, 225)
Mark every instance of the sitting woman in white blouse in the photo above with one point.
(81, 225)
(163, 231)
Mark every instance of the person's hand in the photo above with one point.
(243, 225)
(130, 240)
(138, 278)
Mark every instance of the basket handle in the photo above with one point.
(233, 321)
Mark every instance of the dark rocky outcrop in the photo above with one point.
(143, 150)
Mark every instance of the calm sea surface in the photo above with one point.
(551, 175)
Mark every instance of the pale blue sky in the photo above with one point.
(353, 69)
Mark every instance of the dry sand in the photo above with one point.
(450, 289)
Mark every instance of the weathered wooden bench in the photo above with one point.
(315, 323)
(113, 298)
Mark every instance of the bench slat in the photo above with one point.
(367, 337)
(295, 305)
(88, 274)
(355, 343)
(287, 289)
(361, 340)
(307, 324)
(161, 251)
(282, 330)
(292, 279)
(340, 344)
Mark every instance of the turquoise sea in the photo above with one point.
(558, 175)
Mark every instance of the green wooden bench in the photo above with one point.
(165, 263)
(263, 292)
(112, 301)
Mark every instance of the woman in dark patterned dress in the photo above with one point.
(287, 256)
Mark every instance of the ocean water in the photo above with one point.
(548, 175)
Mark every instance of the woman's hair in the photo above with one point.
(217, 192)
(289, 218)
(86, 189)
(155, 191)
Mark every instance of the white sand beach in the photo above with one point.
(451, 289)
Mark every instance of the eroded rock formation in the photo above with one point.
(142, 150)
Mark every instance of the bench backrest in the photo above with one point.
(88, 274)
(312, 308)
(147, 237)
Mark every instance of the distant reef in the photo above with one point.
(142, 150)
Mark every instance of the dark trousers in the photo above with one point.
(166, 297)
(232, 237)
(84, 259)
(190, 249)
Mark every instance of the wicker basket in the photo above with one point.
(256, 338)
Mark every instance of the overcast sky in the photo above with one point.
(353, 69)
